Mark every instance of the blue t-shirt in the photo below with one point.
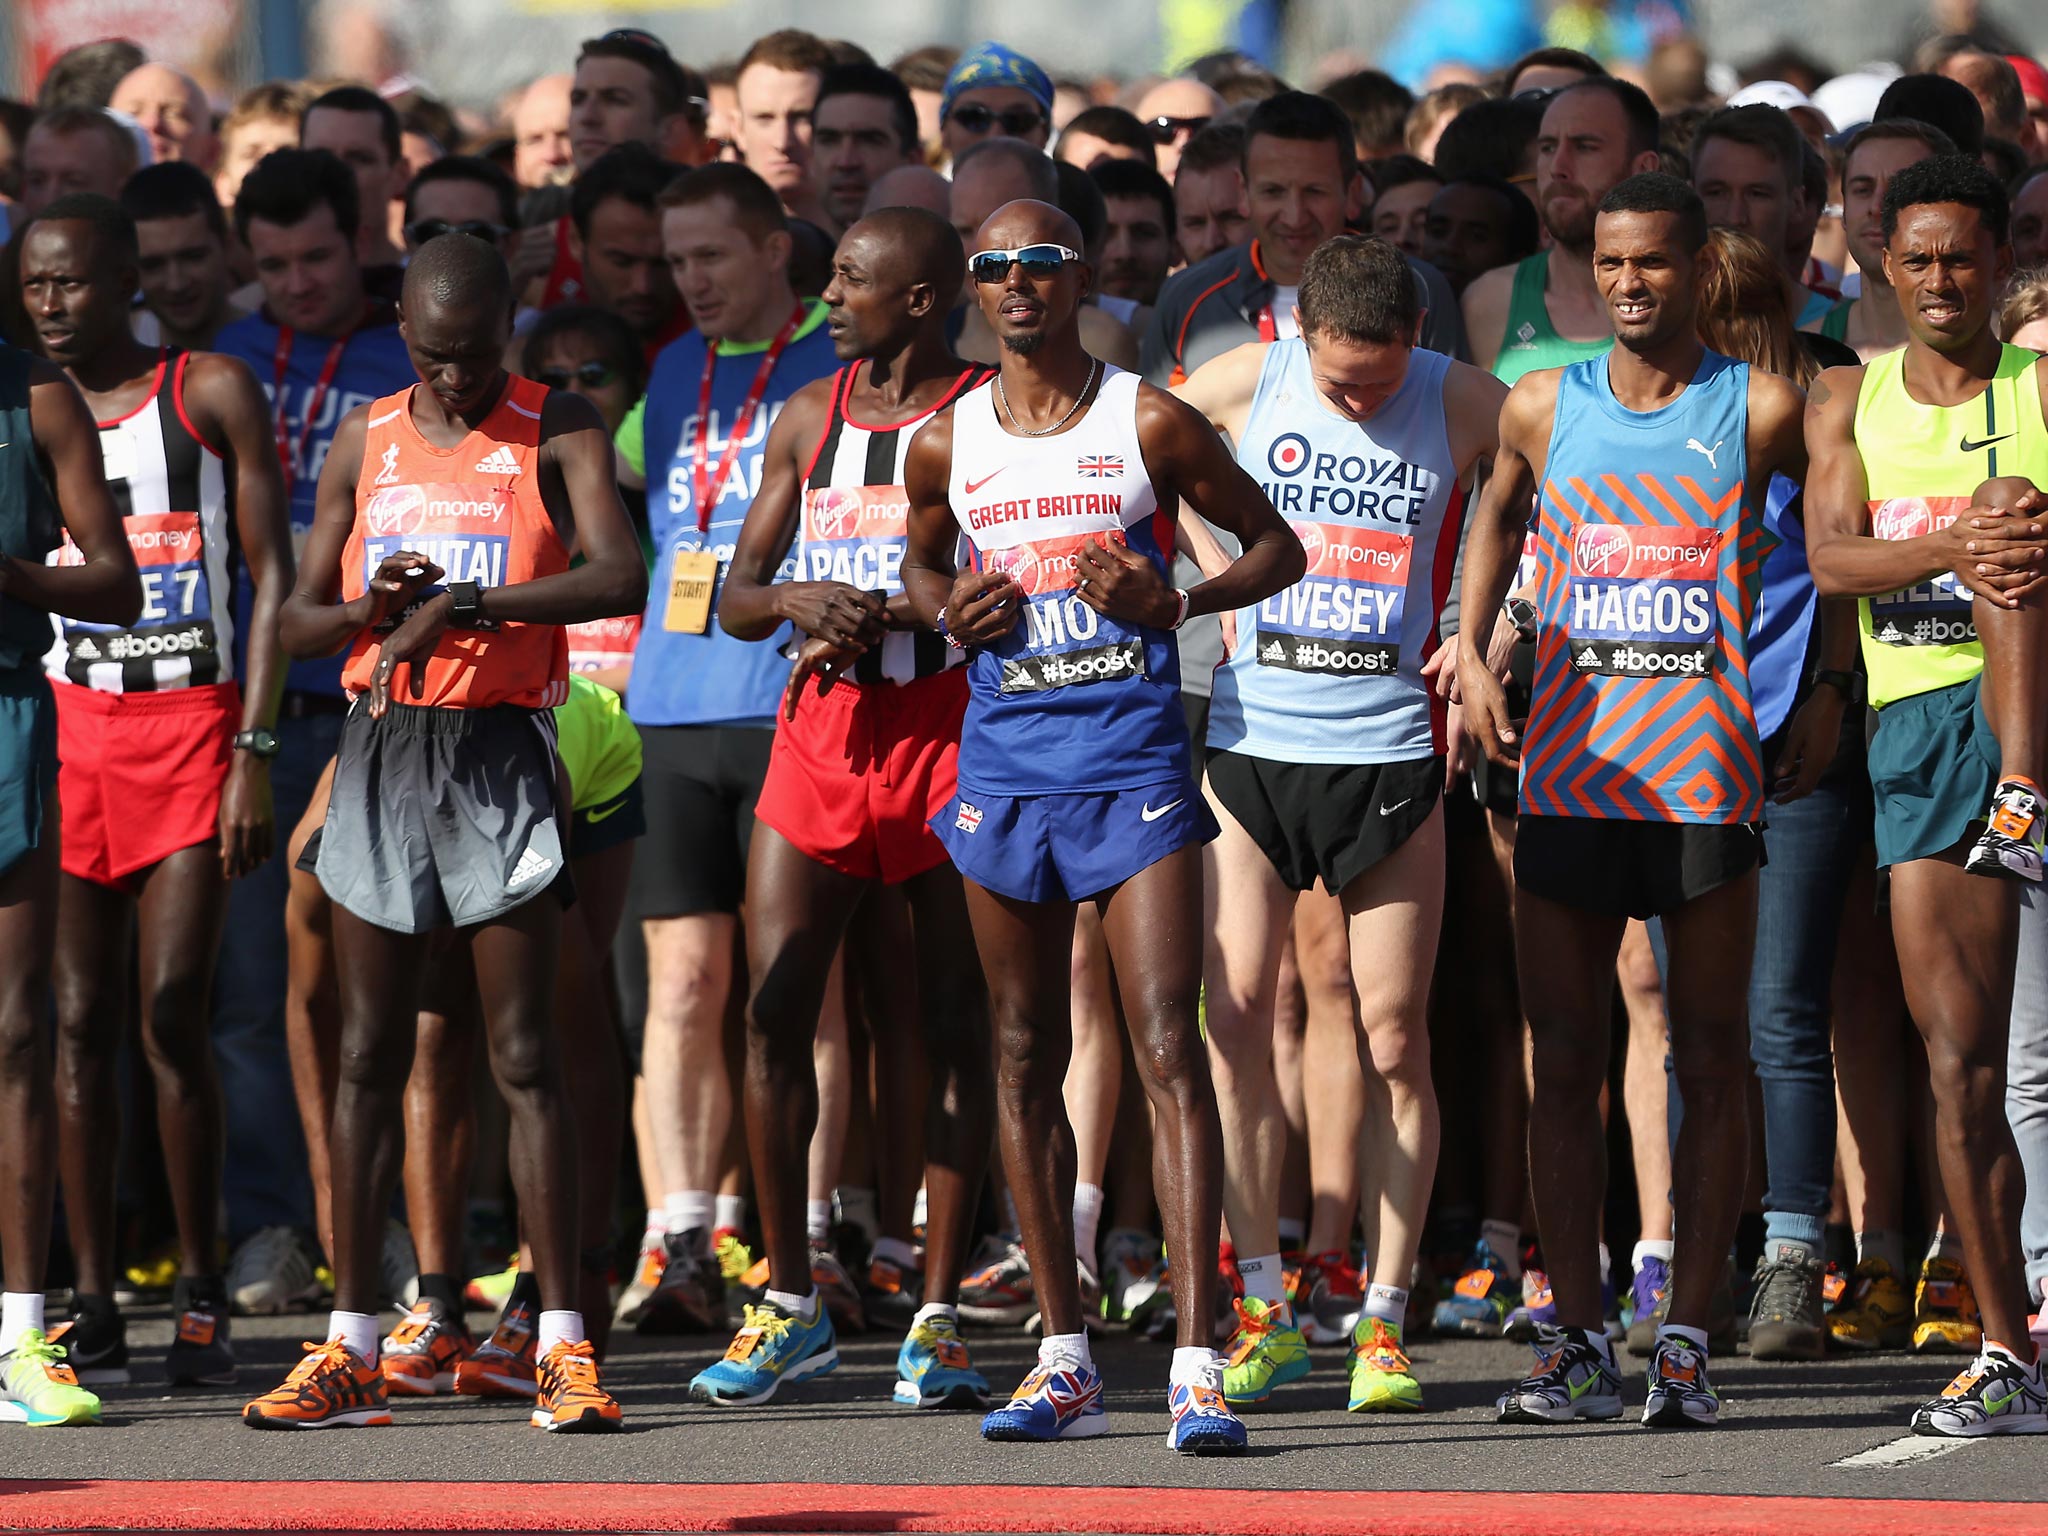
(373, 364)
(681, 677)
(1782, 628)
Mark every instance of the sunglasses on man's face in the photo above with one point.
(1039, 261)
(1165, 130)
(591, 375)
(1016, 121)
(420, 231)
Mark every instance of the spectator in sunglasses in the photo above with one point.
(464, 195)
(995, 92)
(1173, 111)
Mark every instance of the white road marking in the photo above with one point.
(1902, 1452)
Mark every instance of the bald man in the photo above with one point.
(439, 558)
(173, 111)
(911, 186)
(1175, 110)
(541, 154)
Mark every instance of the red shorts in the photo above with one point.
(853, 780)
(139, 775)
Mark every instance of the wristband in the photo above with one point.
(945, 634)
(1847, 684)
(1181, 617)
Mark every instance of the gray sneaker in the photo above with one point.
(1786, 1318)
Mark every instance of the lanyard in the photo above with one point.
(703, 481)
(289, 458)
(1267, 330)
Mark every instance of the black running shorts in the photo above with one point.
(1630, 868)
(1327, 821)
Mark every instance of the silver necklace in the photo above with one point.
(1094, 363)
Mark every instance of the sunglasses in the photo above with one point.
(592, 375)
(1016, 122)
(1036, 260)
(420, 231)
(1537, 95)
(1165, 130)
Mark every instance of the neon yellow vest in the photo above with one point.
(1924, 462)
(598, 745)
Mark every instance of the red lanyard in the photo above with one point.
(1267, 330)
(703, 482)
(288, 458)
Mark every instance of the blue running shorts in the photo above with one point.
(1069, 847)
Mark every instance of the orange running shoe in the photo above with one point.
(424, 1352)
(333, 1387)
(503, 1364)
(570, 1401)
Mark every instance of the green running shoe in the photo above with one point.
(1265, 1352)
(38, 1389)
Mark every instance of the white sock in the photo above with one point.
(20, 1311)
(1292, 1235)
(1696, 1337)
(805, 1307)
(932, 1311)
(358, 1330)
(1065, 1349)
(1191, 1367)
(689, 1210)
(732, 1213)
(1882, 1243)
(858, 1207)
(1087, 1221)
(1262, 1278)
(1388, 1303)
(1649, 1248)
(557, 1328)
(1606, 1265)
(1505, 1239)
(818, 1220)
(657, 1223)
(897, 1252)
(1945, 1245)
(920, 1211)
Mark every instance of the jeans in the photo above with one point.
(2026, 1080)
(264, 1181)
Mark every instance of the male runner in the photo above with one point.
(1327, 762)
(854, 777)
(445, 810)
(152, 715)
(51, 486)
(1066, 484)
(1642, 783)
(1927, 467)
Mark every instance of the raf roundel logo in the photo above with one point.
(1289, 454)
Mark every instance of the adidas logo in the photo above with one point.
(530, 868)
(1586, 660)
(1274, 651)
(500, 461)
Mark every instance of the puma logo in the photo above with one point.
(1712, 453)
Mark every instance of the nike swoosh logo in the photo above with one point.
(1970, 447)
(594, 817)
(1580, 1388)
(2000, 1404)
(971, 486)
(1388, 810)
(1148, 814)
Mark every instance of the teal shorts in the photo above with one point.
(28, 763)
(1933, 765)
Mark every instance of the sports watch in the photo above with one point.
(260, 743)
(468, 610)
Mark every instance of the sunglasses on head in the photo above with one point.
(1016, 121)
(591, 375)
(420, 231)
(1537, 95)
(1036, 260)
(1165, 130)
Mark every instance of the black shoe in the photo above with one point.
(95, 1342)
(1786, 1318)
(200, 1355)
(691, 1295)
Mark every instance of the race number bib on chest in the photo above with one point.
(1066, 643)
(1344, 616)
(464, 529)
(177, 608)
(855, 535)
(1643, 600)
(1935, 612)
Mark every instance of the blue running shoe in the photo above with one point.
(1203, 1424)
(1057, 1401)
(1478, 1303)
(1538, 1308)
(1653, 1279)
(774, 1347)
(933, 1371)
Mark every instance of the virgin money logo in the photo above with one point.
(396, 510)
(1902, 517)
(1313, 542)
(835, 512)
(1021, 564)
(1601, 549)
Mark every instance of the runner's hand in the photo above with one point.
(820, 659)
(413, 641)
(1441, 670)
(983, 606)
(248, 821)
(832, 610)
(398, 579)
(1122, 584)
(1485, 703)
(1810, 745)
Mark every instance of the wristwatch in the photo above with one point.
(260, 743)
(1849, 685)
(1523, 615)
(468, 610)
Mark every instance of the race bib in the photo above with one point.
(600, 643)
(177, 606)
(1344, 616)
(1066, 642)
(1934, 612)
(691, 580)
(464, 529)
(855, 535)
(1643, 600)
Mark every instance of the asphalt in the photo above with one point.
(1785, 1429)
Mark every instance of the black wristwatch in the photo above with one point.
(1848, 684)
(260, 743)
(1523, 615)
(468, 610)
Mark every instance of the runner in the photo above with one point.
(457, 728)
(151, 714)
(1326, 761)
(1927, 468)
(1065, 482)
(1642, 785)
(855, 775)
(51, 487)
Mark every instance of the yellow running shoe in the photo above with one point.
(1382, 1380)
(38, 1389)
(1266, 1351)
(1875, 1312)
(1945, 1320)
(734, 1257)
(489, 1293)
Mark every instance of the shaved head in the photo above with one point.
(1026, 222)
(916, 242)
(912, 186)
(458, 272)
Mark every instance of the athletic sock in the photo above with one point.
(818, 1221)
(525, 1291)
(920, 1210)
(1944, 1245)
(657, 1225)
(1606, 1269)
(1696, 1337)
(1388, 1303)
(856, 1206)
(358, 1330)
(897, 1252)
(1069, 1349)
(1791, 1232)
(1262, 1279)
(932, 1311)
(1087, 1222)
(1191, 1367)
(689, 1210)
(732, 1213)
(805, 1307)
(557, 1328)
(20, 1311)
(1649, 1248)
(1504, 1238)
(1882, 1243)
(1292, 1235)
(441, 1288)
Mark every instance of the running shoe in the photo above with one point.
(2010, 846)
(570, 1401)
(1382, 1380)
(1059, 1400)
(1680, 1396)
(934, 1371)
(841, 1295)
(504, 1364)
(1128, 1260)
(1265, 1351)
(333, 1387)
(1203, 1424)
(425, 1351)
(1478, 1304)
(690, 1297)
(640, 1289)
(1995, 1395)
(893, 1292)
(1000, 1292)
(1537, 1308)
(1877, 1313)
(1945, 1320)
(150, 1280)
(1645, 1296)
(488, 1293)
(200, 1354)
(38, 1389)
(398, 1269)
(1834, 1285)
(1574, 1379)
(1150, 1299)
(729, 1247)
(1786, 1317)
(95, 1345)
(1723, 1319)
(775, 1347)
(1333, 1298)
(272, 1272)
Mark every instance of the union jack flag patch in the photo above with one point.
(1100, 466)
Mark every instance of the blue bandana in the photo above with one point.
(993, 64)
